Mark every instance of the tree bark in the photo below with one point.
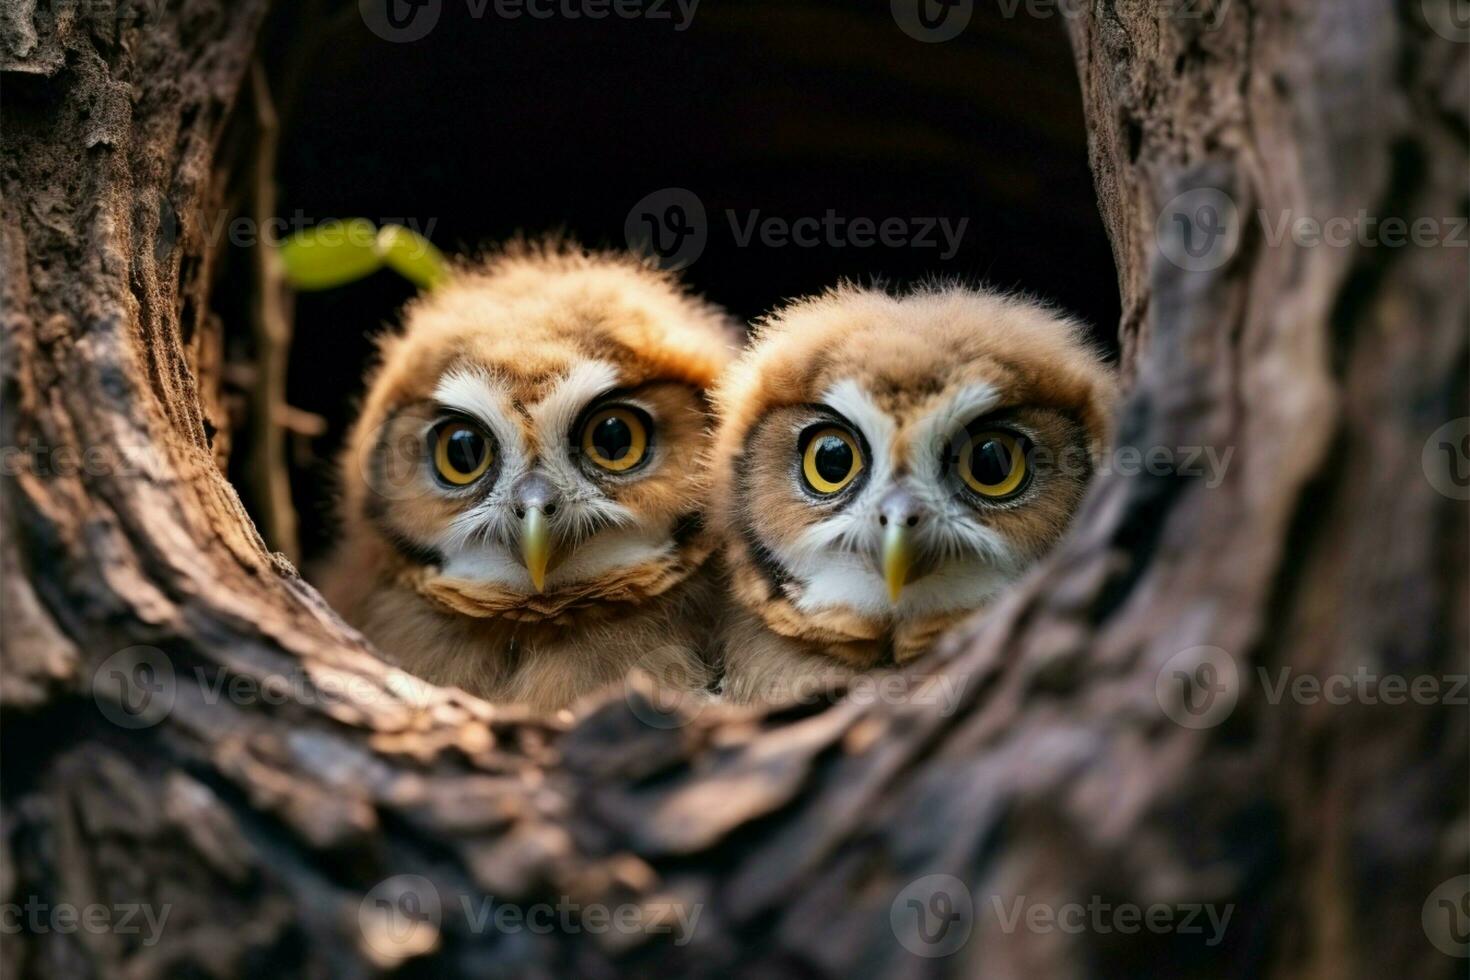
(187, 726)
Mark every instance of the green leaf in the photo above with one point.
(413, 256)
(331, 253)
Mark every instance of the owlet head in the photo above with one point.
(534, 439)
(885, 462)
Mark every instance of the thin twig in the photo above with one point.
(267, 472)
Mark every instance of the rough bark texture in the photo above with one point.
(262, 820)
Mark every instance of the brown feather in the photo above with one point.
(526, 317)
(910, 355)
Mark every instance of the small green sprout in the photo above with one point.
(334, 253)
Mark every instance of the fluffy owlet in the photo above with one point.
(523, 491)
(887, 464)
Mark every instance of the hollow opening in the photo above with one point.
(971, 153)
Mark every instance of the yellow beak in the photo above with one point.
(898, 557)
(535, 546)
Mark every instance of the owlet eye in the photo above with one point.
(831, 461)
(461, 452)
(993, 463)
(616, 438)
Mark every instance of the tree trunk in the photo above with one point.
(188, 728)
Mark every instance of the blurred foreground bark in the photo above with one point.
(187, 726)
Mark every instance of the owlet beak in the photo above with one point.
(898, 558)
(535, 546)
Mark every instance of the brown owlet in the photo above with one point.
(524, 490)
(885, 465)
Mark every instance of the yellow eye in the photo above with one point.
(831, 461)
(993, 463)
(615, 438)
(461, 452)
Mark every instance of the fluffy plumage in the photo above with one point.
(535, 377)
(927, 387)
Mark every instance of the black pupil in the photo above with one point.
(990, 463)
(465, 450)
(833, 459)
(612, 438)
